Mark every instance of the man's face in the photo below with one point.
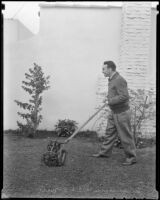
(106, 71)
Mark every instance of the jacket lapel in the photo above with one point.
(114, 76)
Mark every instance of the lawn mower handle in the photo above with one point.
(68, 139)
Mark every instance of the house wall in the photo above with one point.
(137, 55)
(10, 26)
(14, 31)
(71, 46)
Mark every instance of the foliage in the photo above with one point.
(142, 104)
(142, 107)
(65, 127)
(37, 83)
(87, 134)
(11, 131)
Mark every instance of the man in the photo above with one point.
(119, 119)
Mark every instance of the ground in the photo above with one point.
(82, 175)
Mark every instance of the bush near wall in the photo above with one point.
(143, 114)
(11, 131)
(39, 134)
(87, 134)
(143, 110)
(46, 133)
(65, 127)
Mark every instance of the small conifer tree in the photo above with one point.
(37, 83)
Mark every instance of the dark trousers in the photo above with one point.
(119, 124)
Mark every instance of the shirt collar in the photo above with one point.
(112, 75)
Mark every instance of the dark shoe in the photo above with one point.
(100, 155)
(129, 161)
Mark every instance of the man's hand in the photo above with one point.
(105, 101)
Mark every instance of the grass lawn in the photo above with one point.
(82, 175)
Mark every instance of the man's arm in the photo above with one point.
(122, 91)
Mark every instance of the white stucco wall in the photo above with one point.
(10, 25)
(14, 31)
(137, 53)
(152, 64)
(71, 46)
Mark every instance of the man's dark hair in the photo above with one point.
(110, 64)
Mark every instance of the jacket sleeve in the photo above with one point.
(122, 93)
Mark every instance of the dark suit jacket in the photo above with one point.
(118, 97)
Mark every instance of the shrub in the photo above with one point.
(37, 83)
(11, 131)
(142, 108)
(87, 134)
(65, 127)
(45, 133)
(142, 105)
